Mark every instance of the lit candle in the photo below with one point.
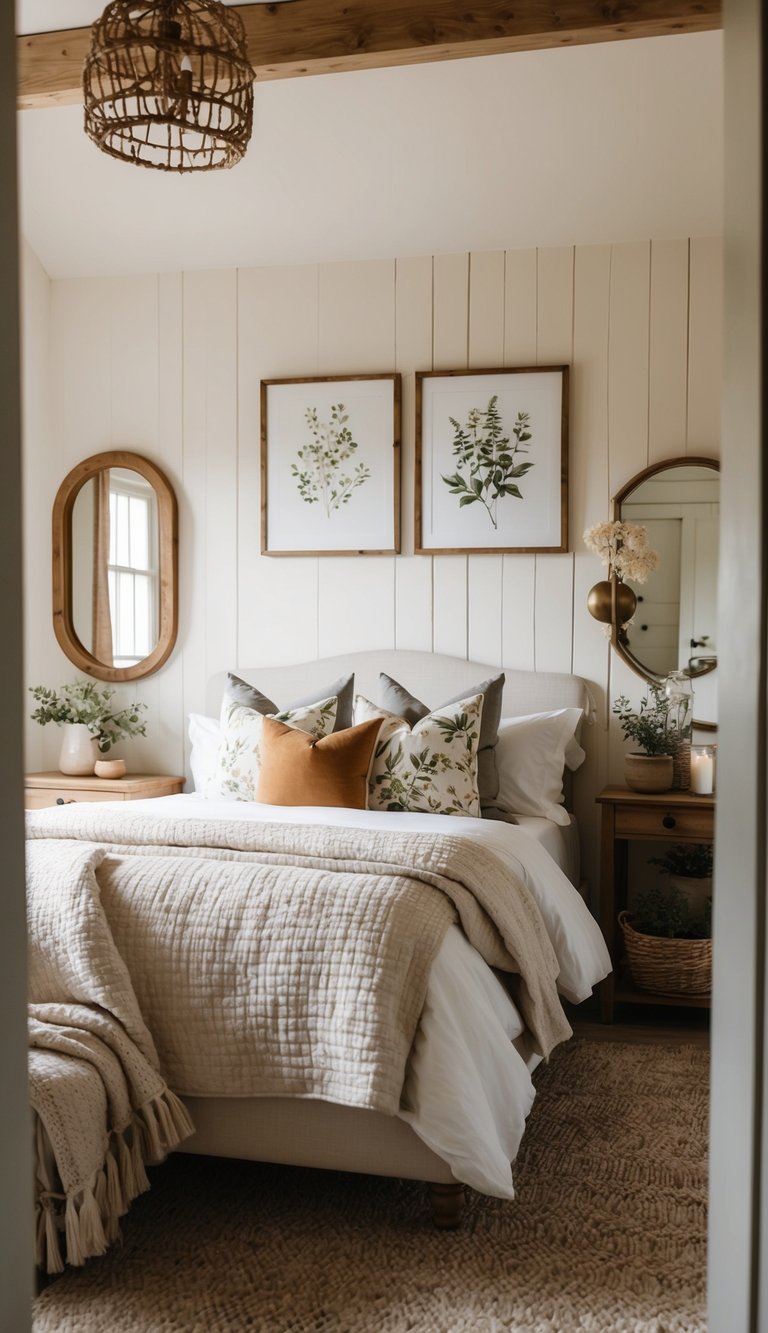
(702, 773)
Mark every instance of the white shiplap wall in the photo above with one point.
(170, 365)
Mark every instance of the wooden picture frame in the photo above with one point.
(492, 461)
(330, 465)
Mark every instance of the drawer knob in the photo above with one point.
(669, 821)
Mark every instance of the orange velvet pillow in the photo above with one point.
(296, 769)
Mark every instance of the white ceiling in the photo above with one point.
(616, 141)
(55, 15)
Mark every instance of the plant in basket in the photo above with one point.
(655, 728)
(668, 942)
(688, 867)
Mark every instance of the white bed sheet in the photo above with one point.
(560, 840)
(468, 1090)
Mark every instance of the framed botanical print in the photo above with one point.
(492, 460)
(330, 465)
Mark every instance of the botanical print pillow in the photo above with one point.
(430, 768)
(239, 760)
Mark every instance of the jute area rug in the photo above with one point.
(607, 1233)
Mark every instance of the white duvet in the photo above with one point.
(468, 1089)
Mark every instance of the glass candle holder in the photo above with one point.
(703, 769)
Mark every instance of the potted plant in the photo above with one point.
(668, 943)
(91, 724)
(655, 729)
(688, 866)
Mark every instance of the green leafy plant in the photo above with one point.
(488, 467)
(85, 702)
(692, 860)
(318, 473)
(665, 912)
(655, 727)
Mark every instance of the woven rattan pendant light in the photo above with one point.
(168, 84)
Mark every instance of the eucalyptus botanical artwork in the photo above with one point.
(489, 465)
(492, 461)
(330, 465)
(320, 474)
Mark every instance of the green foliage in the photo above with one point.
(318, 473)
(693, 860)
(85, 702)
(655, 727)
(488, 467)
(666, 912)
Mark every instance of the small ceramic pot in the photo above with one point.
(109, 768)
(648, 772)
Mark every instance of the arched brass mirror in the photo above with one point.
(115, 566)
(674, 627)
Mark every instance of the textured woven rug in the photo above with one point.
(607, 1233)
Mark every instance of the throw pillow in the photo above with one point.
(431, 767)
(239, 760)
(237, 691)
(395, 698)
(296, 769)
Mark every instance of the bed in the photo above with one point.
(466, 1088)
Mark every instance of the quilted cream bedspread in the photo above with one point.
(292, 960)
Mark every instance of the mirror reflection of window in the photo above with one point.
(132, 567)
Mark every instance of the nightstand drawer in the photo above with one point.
(658, 821)
(38, 799)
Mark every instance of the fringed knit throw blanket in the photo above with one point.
(93, 1068)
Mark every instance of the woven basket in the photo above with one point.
(670, 966)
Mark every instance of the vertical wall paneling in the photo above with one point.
(668, 369)
(413, 351)
(589, 493)
(518, 623)
(520, 300)
(356, 317)
(210, 476)
(277, 338)
(705, 346)
(450, 312)
(485, 583)
(41, 652)
(450, 351)
(449, 609)
(554, 346)
(171, 364)
(357, 604)
(628, 362)
(485, 349)
(356, 323)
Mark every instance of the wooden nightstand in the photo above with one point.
(627, 816)
(42, 789)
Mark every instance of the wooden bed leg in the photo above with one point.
(447, 1206)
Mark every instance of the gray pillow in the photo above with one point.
(240, 692)
(396, 699)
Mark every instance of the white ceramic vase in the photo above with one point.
(79, 749)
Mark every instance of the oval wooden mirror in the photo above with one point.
(675, 624)
(115, 566)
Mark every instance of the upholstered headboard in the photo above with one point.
(432, 677)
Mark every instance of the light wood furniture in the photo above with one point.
(633, 816)
(43, 789)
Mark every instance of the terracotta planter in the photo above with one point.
(648, 772)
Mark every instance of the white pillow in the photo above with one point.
(205, 738)
(239, 755)
(431, 767)
(531, 753)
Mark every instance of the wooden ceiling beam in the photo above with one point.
(328, 36)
